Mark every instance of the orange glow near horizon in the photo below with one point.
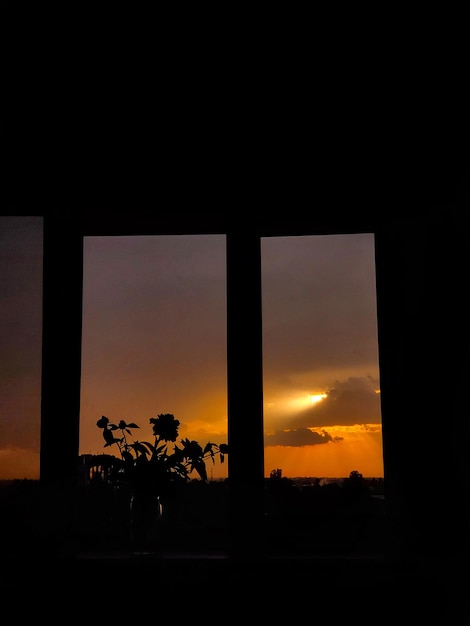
(361, 450)
(18, 463)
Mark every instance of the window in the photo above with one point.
(21, 251)
(322, 414)
(154, 342)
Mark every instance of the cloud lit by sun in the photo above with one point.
(297, 402)
(293, 403)
(317, 397)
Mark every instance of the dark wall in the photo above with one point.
(423, 305)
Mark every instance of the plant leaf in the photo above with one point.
(102, 422)
(139, 447)
(109, 437)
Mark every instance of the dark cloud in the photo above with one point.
(299, 437)
(349, 402)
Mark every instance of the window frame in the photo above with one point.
(61, 358)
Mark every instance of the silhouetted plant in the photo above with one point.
(148, 467)
(147, 477)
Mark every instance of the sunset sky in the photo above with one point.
(154, 341)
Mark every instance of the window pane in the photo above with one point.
(154, 342)
(322, 417)
(21, 256)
